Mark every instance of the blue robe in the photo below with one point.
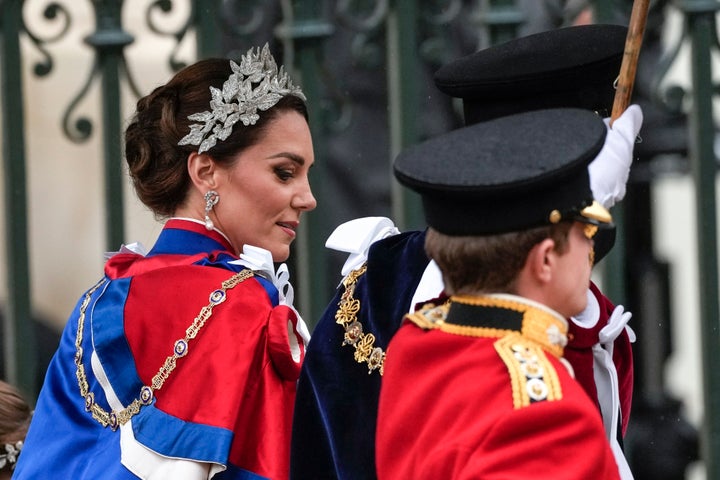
(225, 406)
(337, 400)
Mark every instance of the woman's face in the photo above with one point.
(267, 188)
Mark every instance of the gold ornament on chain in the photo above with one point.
(346, 315)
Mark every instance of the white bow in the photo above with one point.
(356, 236)
(260, 260)
(135, 247)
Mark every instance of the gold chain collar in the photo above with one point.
(114, 418)
(346, 315)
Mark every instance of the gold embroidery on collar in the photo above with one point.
(538, 325)
(346, 315)
(115, 418)
(541, 326)
(431, 316)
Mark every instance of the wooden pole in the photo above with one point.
(628, 68)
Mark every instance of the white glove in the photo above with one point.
(617, 322)
(610, 170)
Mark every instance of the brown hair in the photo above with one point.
(15, 414)
(157, 164)
(489, 263)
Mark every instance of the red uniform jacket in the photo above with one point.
(478, 389)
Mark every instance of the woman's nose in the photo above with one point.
(305, 200)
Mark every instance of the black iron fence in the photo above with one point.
(365, 66)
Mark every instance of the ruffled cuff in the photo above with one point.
(260, 261)
(285, 342)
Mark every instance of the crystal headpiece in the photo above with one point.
(9, 454)
(239, 100)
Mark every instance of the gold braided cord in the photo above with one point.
(432, 317)
(114, 418)
(346, 315)
(521, 356)
(517, 381)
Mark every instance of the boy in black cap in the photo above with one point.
(385, 278)
(477, 387)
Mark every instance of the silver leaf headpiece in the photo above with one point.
(9, 454)
(239, 100)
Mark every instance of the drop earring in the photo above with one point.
(211, 199)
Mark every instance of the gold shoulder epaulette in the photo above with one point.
(532, 376)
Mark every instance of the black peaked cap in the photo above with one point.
(566, 67)
(506, 174)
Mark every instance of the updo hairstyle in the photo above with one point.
(15, 414)
(156, 163)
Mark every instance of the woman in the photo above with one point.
(182, 363)
(15, 416)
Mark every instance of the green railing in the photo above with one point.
(701, 27)
(405, 35)
(20, 362)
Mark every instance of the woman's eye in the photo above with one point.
(283, 174)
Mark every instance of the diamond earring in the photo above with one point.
(211, 199)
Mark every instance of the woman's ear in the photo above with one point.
(541, 261)
(202, 170)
